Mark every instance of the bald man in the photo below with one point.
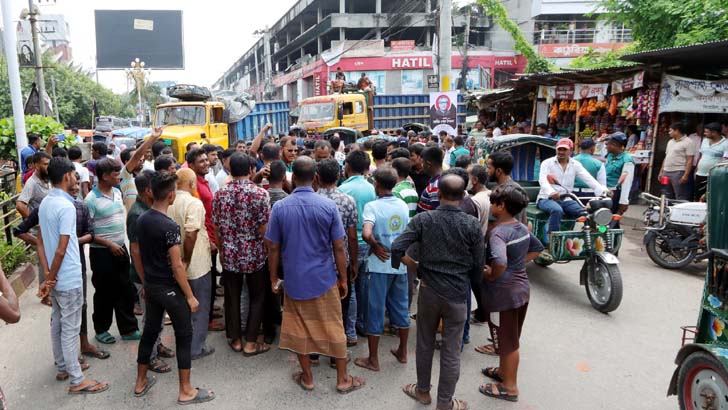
(452, 254)
(189, 213)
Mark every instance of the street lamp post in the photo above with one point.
(138, 74)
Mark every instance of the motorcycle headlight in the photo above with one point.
(602, 216)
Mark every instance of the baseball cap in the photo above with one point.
(618, 137)
(587, 143)
(565, 143)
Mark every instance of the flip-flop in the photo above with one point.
(206, 351)
(88, 389)
(459, 405)
(411, 391)
(62, 377)
(488, 390)
(97, 354)
(486, 350)
(164, 351)
(135, 335)
(259, 349)
(396, 356)
(151, 381)
(298, 378)
(202, 397)
(106, 338)
(492, 372)
(356, 384)
(158, 365)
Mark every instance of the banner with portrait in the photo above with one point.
(444, 112)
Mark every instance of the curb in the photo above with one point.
(23, 277)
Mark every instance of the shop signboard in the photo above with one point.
(571, 50)
(690, 95)
(630, 83)
(443, 111)
(433, 82)
(402, 45)
(572, 91)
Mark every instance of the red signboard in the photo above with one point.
(402, 45)
(569, 50)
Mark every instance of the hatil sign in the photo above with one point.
(412, 62)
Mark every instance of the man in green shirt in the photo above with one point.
(620, 173)
(405, 190)
(459, 150)
(592, 165)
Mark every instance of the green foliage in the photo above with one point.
(536, 63)
(593, 60)
(34, 124)
(12, 256)
(151, 94)
(669, 23)
(75, 92)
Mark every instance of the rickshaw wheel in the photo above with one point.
(702, 383)
(603, 285)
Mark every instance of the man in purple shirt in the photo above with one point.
(304, 231)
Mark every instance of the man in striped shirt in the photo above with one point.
(432, 166)
(404, 189)
(109, 257)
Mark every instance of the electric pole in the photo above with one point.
(9, 45)
(38, 54)
(463, 83)
(445, 47)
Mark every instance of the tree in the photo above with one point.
(75, 92)
(669, 23)
(151, 94)
(536, 63)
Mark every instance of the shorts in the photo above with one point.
(505, 329)
(388, 290)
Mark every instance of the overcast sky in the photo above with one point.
(216, 32)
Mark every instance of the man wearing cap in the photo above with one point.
(594, 166)
(556, 178)
(620, 173)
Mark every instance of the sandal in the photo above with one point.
(158, 365)
(90, 389)
(356, 384)
(259, 349)
(106, 338)
(235, 349)
(164, 351)
(497, 391)
(202, 397)
(459, 405)
(411, 391)
(492, 372)
(151, 381)
(135, 335)
(61, 377)
(487, 350)
(97, 354)
(298, 378)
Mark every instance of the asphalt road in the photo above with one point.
(572, 357)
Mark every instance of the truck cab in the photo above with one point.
(352, 110)
(191, 121)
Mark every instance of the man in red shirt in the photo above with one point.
(197, 161)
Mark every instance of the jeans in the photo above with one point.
(65, 327)
(390, 291)
(201, 289)
(143, 305)
(213, 279)
(161, 297)
(466, 327)
(431, 308)
(114, 292)
(557, 209)
(357, 304)
(675, 189)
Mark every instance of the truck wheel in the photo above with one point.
(702, 383)
(660, 252)
(603, 285)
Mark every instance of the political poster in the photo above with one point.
(444, 111)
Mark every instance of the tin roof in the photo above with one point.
(711, 54)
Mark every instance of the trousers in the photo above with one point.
(65, 327)
(161, 298)
(114, 292)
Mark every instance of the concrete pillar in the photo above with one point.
(319, 15)
(378, 6)
(342, 6)
(303, 26)
(299, 90)
(342, 34)
(428, 6)
(319, 45)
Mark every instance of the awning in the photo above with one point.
(710, 58)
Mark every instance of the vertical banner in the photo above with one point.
(444, 111)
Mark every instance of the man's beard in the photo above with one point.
(44, 175)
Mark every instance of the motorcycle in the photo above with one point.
(675, 231)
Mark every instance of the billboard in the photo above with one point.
(153, 36)
(444, 111)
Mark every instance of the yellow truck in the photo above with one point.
(191, 121)
(353, 110)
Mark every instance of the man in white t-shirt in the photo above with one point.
(74, 154)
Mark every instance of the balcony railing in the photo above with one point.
(589, 35)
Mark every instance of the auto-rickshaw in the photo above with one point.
(594, 242)
(701, 378)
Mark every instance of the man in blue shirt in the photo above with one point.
(304, 231)
(384, 220)
(356, 185)
(60, 260)
(33, 147)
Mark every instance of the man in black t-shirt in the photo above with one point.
(166, 289)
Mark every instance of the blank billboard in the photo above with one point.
(153, 36)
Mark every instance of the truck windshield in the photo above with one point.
(317, 112)
(180, 115)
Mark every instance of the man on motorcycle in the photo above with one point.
(620, 173)
(556, 178)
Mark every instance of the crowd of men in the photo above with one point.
(319, 244)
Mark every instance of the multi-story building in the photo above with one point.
(564, 29)
(391, 41)
(54, 34)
